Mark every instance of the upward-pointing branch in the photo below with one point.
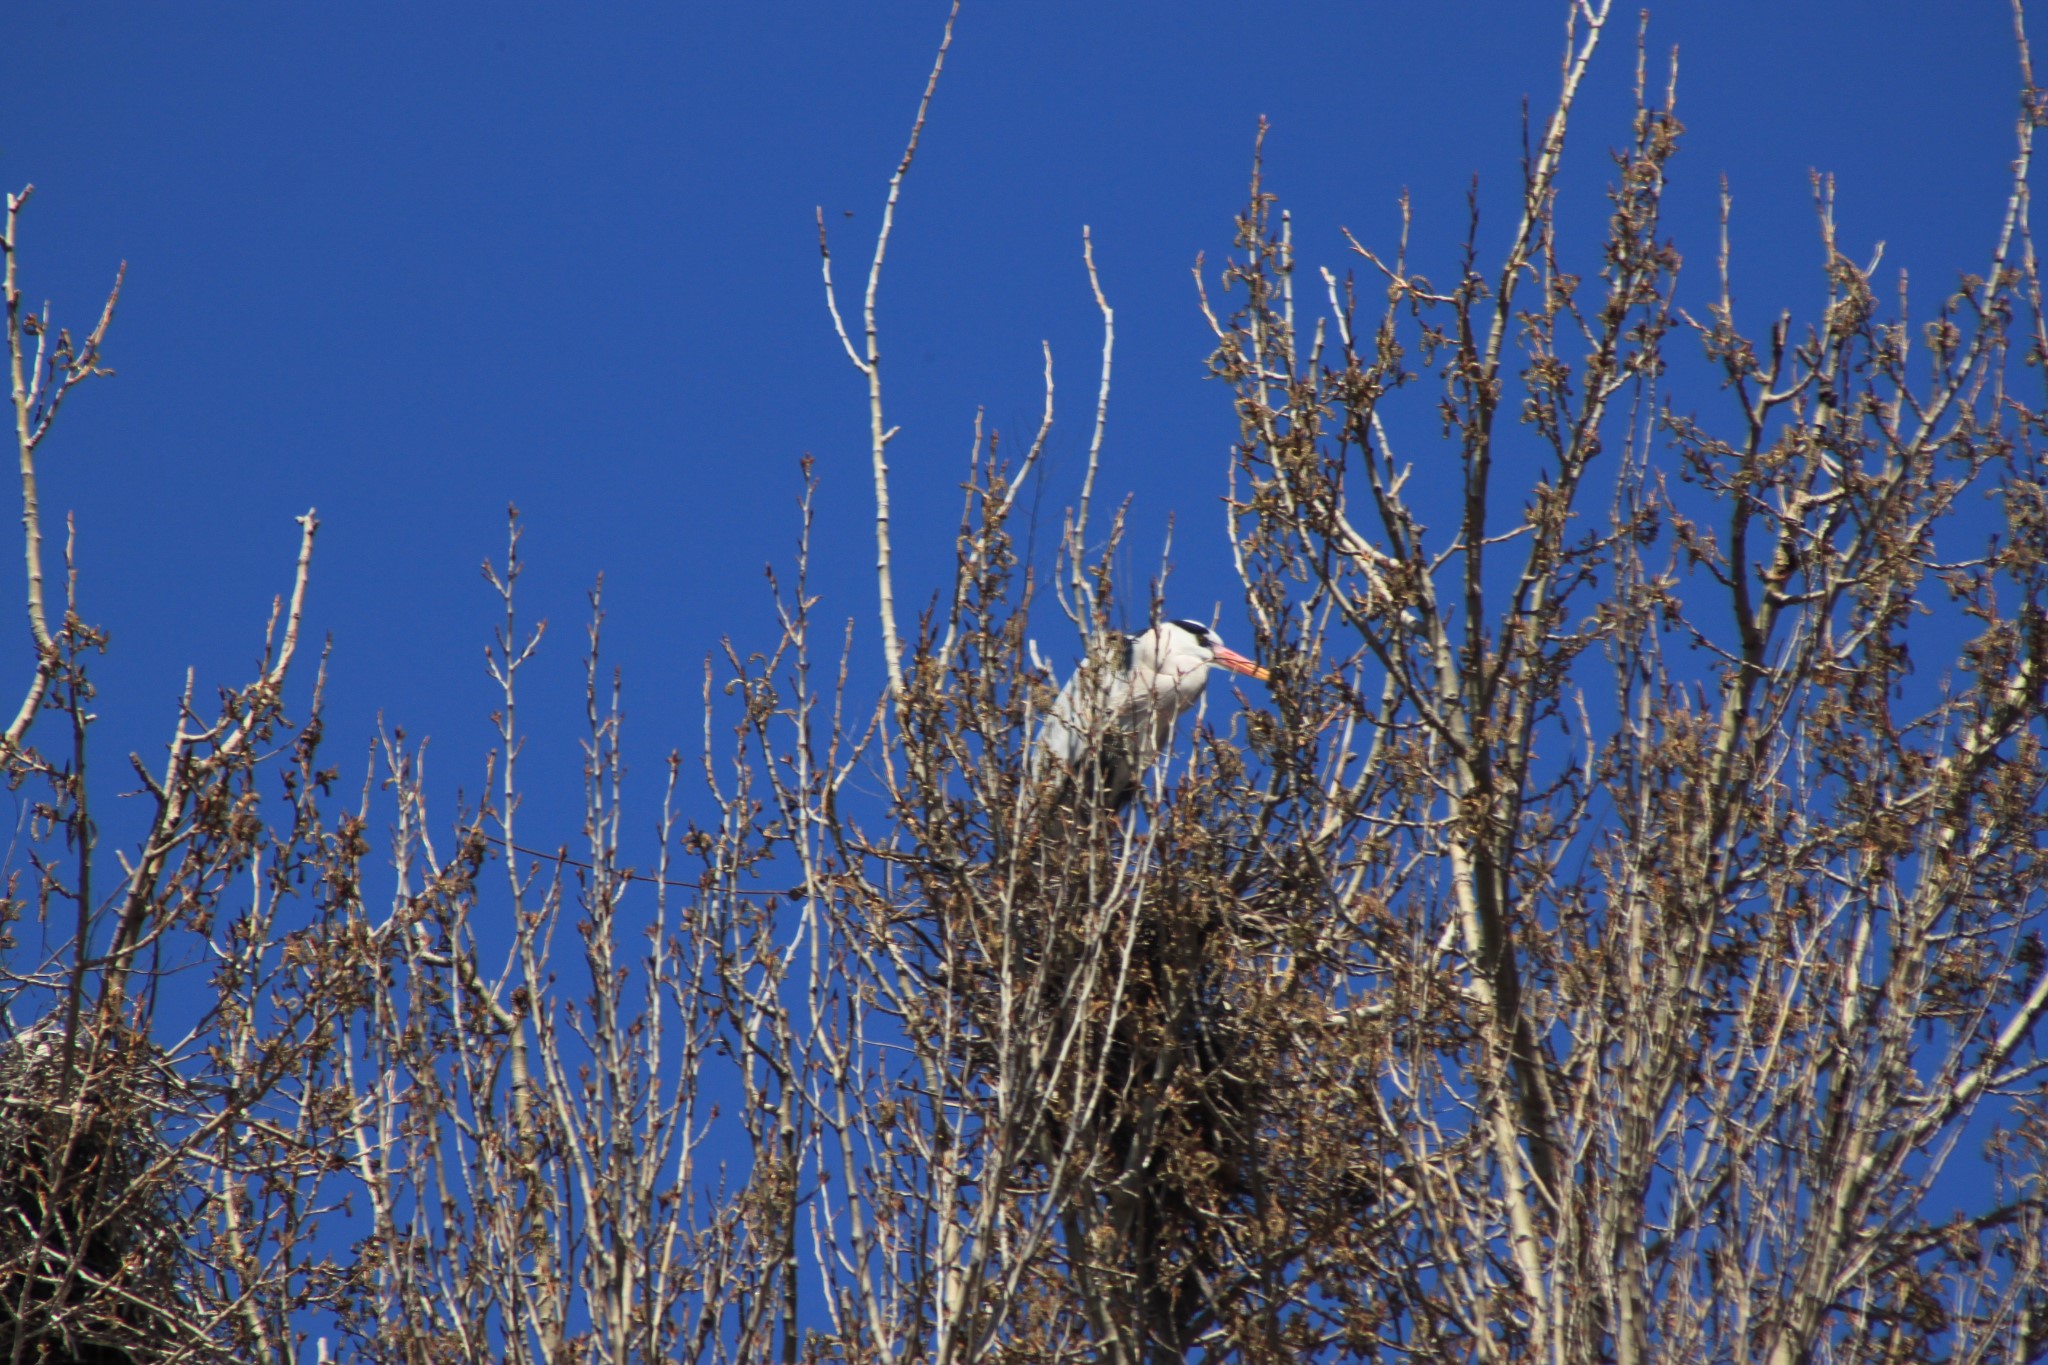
(870, 364)
(39, 384)
(1082, 592)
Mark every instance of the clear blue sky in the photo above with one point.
(409, 263)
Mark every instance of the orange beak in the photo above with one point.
(1237, 663)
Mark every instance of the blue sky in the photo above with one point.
(409, 263)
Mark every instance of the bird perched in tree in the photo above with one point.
(1115, 720)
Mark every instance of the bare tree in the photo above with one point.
(161, 1170)
(1605, 948)
(1618, 919)
(1706, 925)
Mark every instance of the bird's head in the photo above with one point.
(1191, 647)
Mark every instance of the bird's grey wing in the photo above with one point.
(1090, 756)
(1061, 735)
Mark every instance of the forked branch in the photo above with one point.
(41, 376)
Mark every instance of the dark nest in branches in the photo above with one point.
(1189, 1116)
(91, 1256)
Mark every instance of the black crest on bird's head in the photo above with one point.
(1204, 637)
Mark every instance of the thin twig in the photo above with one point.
(627, 875)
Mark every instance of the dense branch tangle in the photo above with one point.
(1594, 952)
(1725, 914)
(1596, 947)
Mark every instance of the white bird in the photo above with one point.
(1123, 715)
